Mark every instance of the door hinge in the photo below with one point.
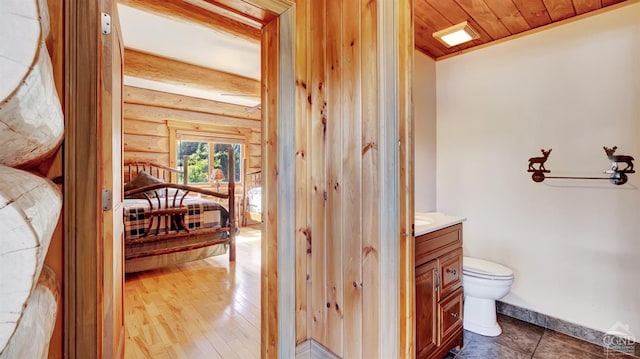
(106, 199)
(106, 23)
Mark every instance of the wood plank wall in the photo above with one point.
(370, 182)
(302, 180)
(337, 136)
(149, 117)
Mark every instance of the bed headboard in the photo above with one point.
(168, 174)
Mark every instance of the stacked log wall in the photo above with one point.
(151, 119)
(31, 135)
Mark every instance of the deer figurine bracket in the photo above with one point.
(617, 176)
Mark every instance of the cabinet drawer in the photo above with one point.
(450, 315)
(450, 272)
(435, 244)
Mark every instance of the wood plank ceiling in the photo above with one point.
(493, 19)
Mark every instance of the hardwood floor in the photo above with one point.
(203, 309)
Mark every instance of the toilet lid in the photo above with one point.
(484, 267)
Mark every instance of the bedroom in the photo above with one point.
(190, 90)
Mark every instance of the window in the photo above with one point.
(208, 160)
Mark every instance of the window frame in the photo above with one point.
(212, 138)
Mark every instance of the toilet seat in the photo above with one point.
(480, 268)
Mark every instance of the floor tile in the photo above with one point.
(556, 345)
(467, 337)
(489, 350)
(523, 340)
(516, 334)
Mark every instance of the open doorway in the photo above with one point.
(191, 90)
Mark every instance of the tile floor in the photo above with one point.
(520, 340)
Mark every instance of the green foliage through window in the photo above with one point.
(200, 168)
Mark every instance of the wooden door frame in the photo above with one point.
(82, 181)
(396, 247)
(278, 323)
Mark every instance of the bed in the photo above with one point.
(252, 198)
(167, 223)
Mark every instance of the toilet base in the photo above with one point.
(480, 317)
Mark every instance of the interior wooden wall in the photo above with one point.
(337, 176)
(146, 140)
(149, 117)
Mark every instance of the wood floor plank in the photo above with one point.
(203, 309)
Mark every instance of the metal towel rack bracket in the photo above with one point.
(617, 176)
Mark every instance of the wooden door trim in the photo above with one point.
(388, 251)
(396, 307)
(82, 184)
(406, 259)
(278, 156)
(286, 265)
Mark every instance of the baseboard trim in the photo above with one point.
(303, 350)
(618, 338)
(310, 349)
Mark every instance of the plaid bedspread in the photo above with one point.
(201, 213)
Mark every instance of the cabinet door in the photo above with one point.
(426, 309)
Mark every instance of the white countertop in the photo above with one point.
(432, 221)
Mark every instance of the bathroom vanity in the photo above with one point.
(438, 280)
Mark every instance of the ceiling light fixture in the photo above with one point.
(456, 34)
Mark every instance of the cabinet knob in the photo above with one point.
(455, 315)
(452, 271)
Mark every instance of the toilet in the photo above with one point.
(484, 282)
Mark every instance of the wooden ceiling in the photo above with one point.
(493, 19)
(231, 16)
(176, 67)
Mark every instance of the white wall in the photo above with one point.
(424, 117)
(574, 245)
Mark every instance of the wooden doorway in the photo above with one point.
(84, 273)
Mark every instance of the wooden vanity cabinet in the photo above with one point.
(438, 281)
